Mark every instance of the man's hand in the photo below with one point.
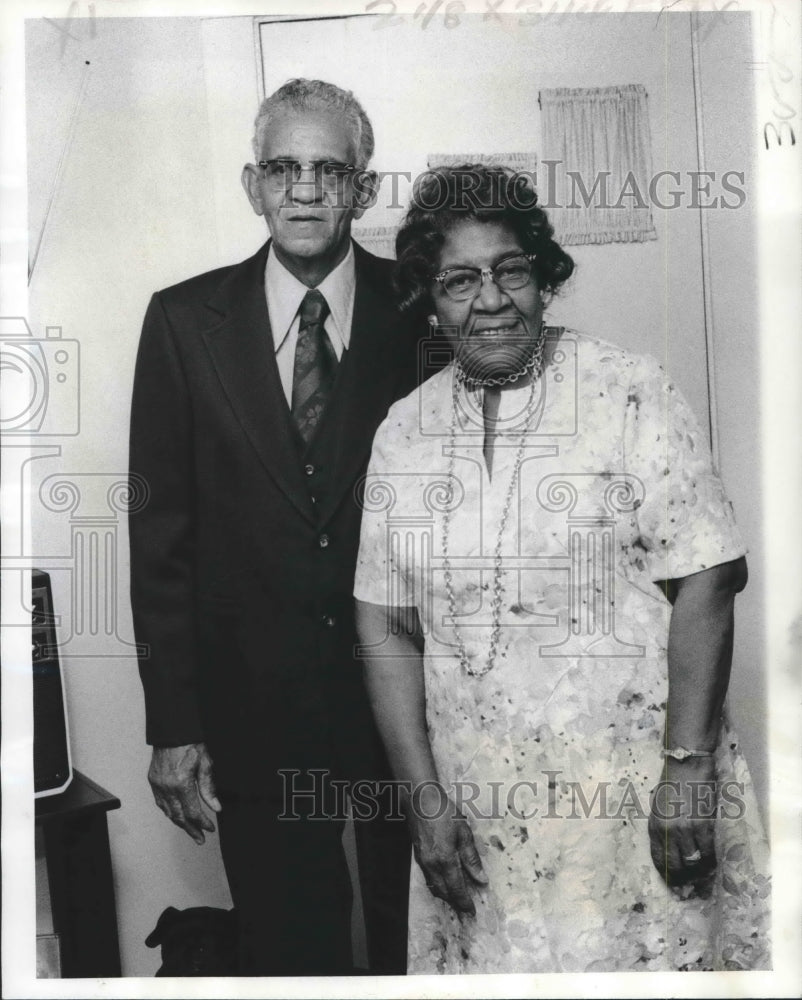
(177, 775)
(682, 821)
(445, 850)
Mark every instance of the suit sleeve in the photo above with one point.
(162, 536)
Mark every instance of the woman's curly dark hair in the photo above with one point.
(446, 195)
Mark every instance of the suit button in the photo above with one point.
(329, 621)
(309, 470)
(323, 541)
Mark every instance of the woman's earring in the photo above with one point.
(431, 319)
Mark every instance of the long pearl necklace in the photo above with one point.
(534, 367)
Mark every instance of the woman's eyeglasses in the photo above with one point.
(328, 174)
(462, 283)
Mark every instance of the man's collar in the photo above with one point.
(285, 293)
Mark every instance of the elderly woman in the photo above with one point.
(545, 593)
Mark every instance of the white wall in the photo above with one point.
(132, 214)
(730, 135)
(149, 194)
(474, 88)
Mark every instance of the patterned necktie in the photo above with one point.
(315, 365)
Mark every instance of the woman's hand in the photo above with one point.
(441, 837)
(700, 636)
(445, 849)
(682, 821)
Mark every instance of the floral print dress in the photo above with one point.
(552, 753)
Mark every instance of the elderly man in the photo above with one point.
(258, 389)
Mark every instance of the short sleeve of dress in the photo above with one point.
(685, 520)
(379, 577)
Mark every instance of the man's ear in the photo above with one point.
(366, 191)
(250, 182)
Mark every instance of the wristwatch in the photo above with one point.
(680, 753)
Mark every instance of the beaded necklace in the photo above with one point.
(533, 367)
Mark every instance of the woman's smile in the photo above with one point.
(497, 329)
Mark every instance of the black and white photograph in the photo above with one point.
(400, 498)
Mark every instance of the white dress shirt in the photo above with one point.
(284, 296)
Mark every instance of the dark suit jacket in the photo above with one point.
(241, 585)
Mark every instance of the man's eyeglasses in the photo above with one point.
(328, 174)
(463, 283)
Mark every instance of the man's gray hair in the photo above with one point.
(316, 95)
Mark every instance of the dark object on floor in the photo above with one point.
(200, 941)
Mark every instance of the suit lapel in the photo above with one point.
(241, 348)
(363, 391)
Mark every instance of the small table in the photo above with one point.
(76, 836)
